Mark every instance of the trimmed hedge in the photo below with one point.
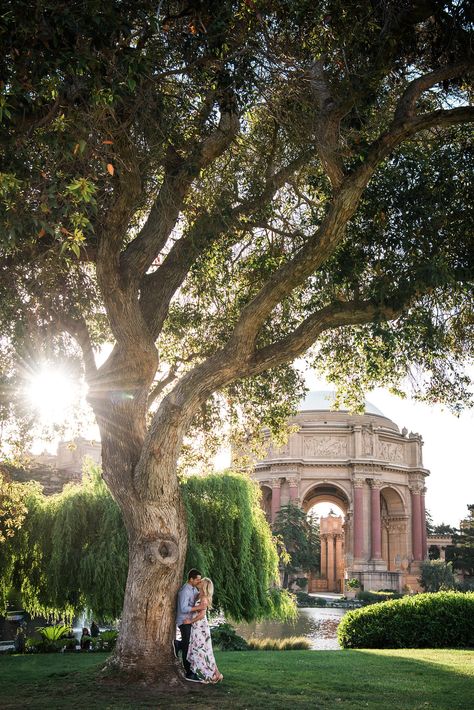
(440, 620)
(375, 597)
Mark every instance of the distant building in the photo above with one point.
(373, 472)
(53, 471)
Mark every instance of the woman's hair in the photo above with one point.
(206, 589)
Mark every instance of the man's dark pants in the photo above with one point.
(185, 634)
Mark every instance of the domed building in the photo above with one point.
(373, 473)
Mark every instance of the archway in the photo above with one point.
(394, 537)
(332, 534)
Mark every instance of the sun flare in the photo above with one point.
(51, 393)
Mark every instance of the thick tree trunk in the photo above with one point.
(157, 533)
(157, 549)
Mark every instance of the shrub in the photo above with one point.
(225, 638)
(437, 575)
(353, 583)
(293, 643)
(467, 585)
(439, 620)
(371, 597)
(105, 641)
(52, 639)
(306, 600)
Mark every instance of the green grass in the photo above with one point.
(420, 679)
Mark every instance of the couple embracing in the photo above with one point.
(194, 598)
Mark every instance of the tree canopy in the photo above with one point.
(200, 152)
(463, 553)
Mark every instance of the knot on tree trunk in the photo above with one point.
(162, 549)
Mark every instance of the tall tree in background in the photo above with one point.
(463, 553)
(214, 188)
(299, 536)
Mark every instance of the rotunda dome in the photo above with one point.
(322, 400)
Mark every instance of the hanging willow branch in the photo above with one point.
(70, 554)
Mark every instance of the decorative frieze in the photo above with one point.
(390, 451)
(324, 446)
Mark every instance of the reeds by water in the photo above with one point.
(293, 643)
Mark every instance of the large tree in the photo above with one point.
(190, 181)
(299, 537)
(464, 546)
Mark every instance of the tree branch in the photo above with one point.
(161, 384)
(332, 316)
(159, 287)
(179, 175)
(77, 329)
(322, 244)
(327, 125)
(406, 105)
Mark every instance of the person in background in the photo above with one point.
(94, 630)
(85, 639)
(20, 640)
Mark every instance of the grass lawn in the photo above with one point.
(274, 680)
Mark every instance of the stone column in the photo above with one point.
(331, 560)
(442, 553)
(339, 563)
(375, 520)
(416, 526)
(358, 517)
(276, 493)
(293, 484)
(424, 546)
(324, 559)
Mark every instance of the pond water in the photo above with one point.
(318, 625)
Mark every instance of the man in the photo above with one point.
(187, 596)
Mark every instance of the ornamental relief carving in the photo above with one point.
(279, 451)
(317, 447)
(390, 451)
(367, 442)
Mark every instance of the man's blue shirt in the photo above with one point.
(187, 596)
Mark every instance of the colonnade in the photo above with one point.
(418, 521)
(367, 529)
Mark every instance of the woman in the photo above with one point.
(200, 653)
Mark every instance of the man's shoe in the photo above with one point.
(193, 678)
(176, 646)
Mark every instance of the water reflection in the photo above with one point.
(318, 625)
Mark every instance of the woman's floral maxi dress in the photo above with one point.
(200, 653)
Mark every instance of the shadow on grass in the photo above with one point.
(402, 679)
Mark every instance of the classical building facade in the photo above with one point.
(53, 471)
(373, 472)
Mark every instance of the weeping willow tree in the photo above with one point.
(230, 540)
(71, 552)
